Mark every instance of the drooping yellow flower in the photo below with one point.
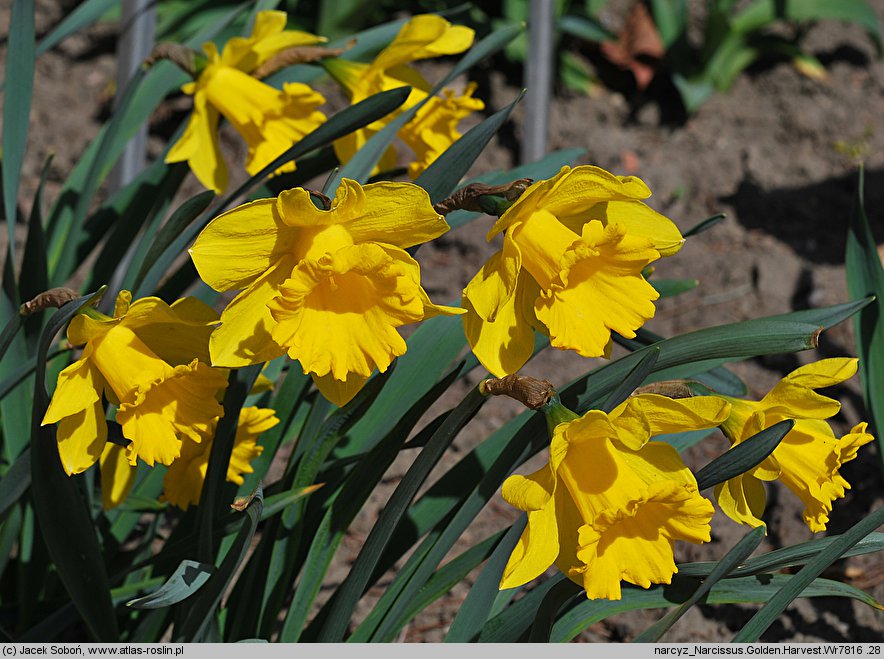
(571, 266)
(146, 362)
(808, 458)
(270, 120)
(434, 128)
(609, 504)
(329, 287)
(183, 482)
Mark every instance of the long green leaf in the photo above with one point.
(239, 384)
(744, 456)
(445, 578)
(15, 482)
(187, 578)
(632, 380)
(768, 613)
(442, 176)
(182, 216)
(64, 519)
(431, 350)
(747, 590)
(81, 17)
(17, 106)
(737, 554)
(508, 625)
(34, 257)
(477, 605)
(865, 276)
(779, 559)
(201, 612)
(346, 506)
(559, 596)
(352, 588)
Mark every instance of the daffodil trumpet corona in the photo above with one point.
(329, 287)
(610, 503)
(574, 249)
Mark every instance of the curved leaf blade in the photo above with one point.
(187, 578)
(477, 605)
(768, 613)
(744, 456)
(64, 517)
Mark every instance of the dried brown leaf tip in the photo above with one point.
(531, 392)
(53, 298)
(468, 197)
(668, 388)
(182, 56)
(638, 48)
(297, 55)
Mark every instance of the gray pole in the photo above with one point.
(538, 79)
(136, 41)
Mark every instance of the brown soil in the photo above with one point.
(765, 153)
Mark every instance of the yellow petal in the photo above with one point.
(282, 127)
(81, 438)
(434, 128)
(412, 268)
(183, 482)
(199, 146)
(117, 476)
(602, 291)
(399, 214)
(252, 422)
(543, 243)
(339, 314)
(244, 336)
(270, 37)
(494, 285)
(79, 387)
(570, 193)
(505, 344)
(173, 338)
(742, 499)
(536, 550)
(810, 457)
(340, 392)
(644, 416)
(425, 35)
(634, 543)
(637, 218)
(794, 397)
(181, 403)
(531, 492)
(240, 245)
(269, 119)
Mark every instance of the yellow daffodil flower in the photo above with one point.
(329, 287)
(808, 458)
(434, 128)
(146, 362)
(183, 482)
(571, 266)
(270, 120)
(609, 504)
